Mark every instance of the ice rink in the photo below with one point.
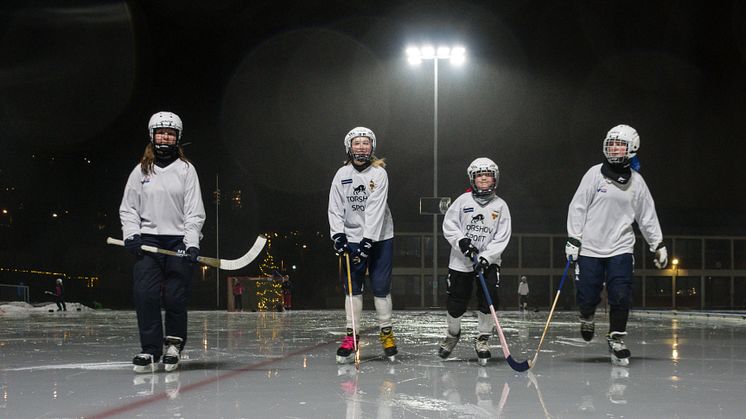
(77, 364)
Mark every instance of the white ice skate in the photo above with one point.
(172, 354)
(144, 363)
(446, 347)
(482, 346)
(619, 352)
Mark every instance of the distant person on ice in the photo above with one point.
(360, 224)
(59, 293)
(237, 295)
(162, 207)
(523, 293)
(612, 196)
(477, 224)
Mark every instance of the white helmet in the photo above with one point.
(165, 119)
(360, 132)
(623, 133)
(59, 280)
(482, 165)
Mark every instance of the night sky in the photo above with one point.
(267, 91)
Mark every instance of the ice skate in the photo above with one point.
(446, 347)
(587, 328)
(173, 351)
(144, 363)
(482, 346)
(346, 351)
(619, 352)
(389, 343)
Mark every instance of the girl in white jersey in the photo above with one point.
(477, 224)
(162, 207)
(360, 224)
(611, 197)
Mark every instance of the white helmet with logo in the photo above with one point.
(360, 132)
(483, 165)
(626, 134)
(165, 119)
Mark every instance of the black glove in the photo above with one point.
(191, 254)
(132, 244)
(482, 264)
(363, 251)
(467, 248)
(340, 243)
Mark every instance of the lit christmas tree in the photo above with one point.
(269, 292)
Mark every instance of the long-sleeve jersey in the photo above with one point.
(602, 212)
(165, 202)
(523, 288)
(487, 226)
(358, 204)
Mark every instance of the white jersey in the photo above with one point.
(523, 288)
(487, 226)
(358, 204)
(602, 212)
(166, 202)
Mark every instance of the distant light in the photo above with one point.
(675, 261)
(456, 55)
(444, 52)
(295, 267)
(428, 52)
(54, 215)
(5, 211)
(305, 247)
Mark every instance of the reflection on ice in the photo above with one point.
(283, 365)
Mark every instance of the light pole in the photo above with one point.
(457, 56)
(675, 268)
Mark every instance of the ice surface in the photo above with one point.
(282, 365)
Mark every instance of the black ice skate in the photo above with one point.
(144, 363)
(446, 347)
(389, 343)
(482, 346)
(619, 352)
(587, 327)
(173, 352)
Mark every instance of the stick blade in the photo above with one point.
(235, 264)
(517, 366)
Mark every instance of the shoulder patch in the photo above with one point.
(346, 181)
(468, 209)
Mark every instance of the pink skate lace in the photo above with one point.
(348, 343)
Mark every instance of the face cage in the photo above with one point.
(363, 158)
(616, 159)
(491, 190)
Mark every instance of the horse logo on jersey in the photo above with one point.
(478, 217)
(359, 189)
(372, 185)
(495, 214)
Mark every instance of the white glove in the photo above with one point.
(661, 257)
(572, 248)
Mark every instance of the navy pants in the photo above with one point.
(161, 280)
(461, 286)
(617, 272)
(378, 265)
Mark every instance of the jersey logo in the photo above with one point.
(145, 180)
(346, 181)
(478, 217)
(601, 189)
(468, 209)
(495, 214)
(372, 185)
(359, 189)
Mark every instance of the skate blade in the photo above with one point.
(392, 358)
(143, 369)
(170, 367)
(346, 359)
(483, 361)
(619, 362)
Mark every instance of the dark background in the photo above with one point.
(267, 91)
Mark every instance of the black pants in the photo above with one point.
(61, 304)
(237, 303)
(460, 288)
(161, 279)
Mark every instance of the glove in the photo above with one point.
(572, 248)
(191, 254)
(467, 248)
(661, 257)
(132, 244)
(363, 251)
(340, 243)
(482, 264)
